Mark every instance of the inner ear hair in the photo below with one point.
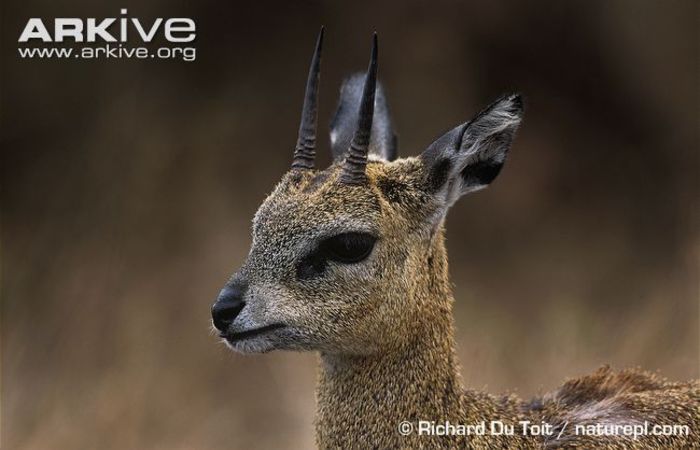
(470, 156)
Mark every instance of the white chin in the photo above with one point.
(257, 344)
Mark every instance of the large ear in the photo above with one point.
(382, 142)
(470, 156)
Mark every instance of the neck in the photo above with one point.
(370, 395)
(362, 399)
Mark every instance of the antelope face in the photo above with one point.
(336, 254)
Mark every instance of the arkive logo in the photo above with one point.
(106, 32)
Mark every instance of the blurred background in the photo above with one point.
(128, 187)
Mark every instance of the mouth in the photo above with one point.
(235, 337)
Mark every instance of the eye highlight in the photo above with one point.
(345, 248)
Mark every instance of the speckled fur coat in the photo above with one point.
(350, 262)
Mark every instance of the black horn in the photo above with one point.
(356, 159)
(305, 153)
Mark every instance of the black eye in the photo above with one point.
(348, 248)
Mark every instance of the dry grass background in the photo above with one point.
(128, 189)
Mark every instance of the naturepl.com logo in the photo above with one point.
(107, 38)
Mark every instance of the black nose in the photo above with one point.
(228, 306)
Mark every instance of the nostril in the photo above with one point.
(228, 305)
(223, 313)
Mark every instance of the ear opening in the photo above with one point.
(469, 157)
(383, 142)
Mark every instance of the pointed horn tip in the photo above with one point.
(319, 40)
(375, 50)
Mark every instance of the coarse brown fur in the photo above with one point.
(385, 333)
(383, 325)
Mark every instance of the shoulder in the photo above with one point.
(600, 409)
